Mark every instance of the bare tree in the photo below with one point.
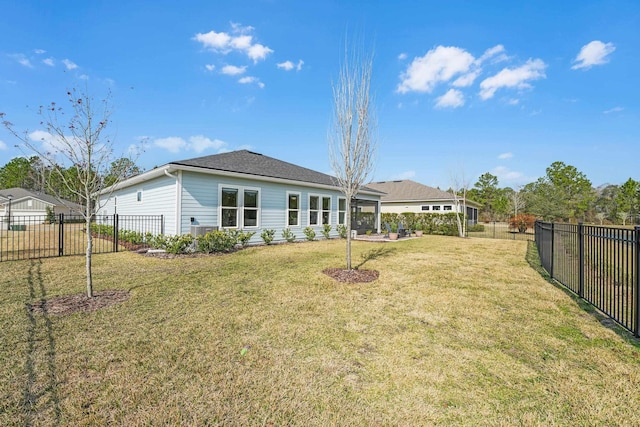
(352, 138)
(517, 201)
(601, 216)
(76, 140)
(460, 185)
(624, 217)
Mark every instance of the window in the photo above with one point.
(239, 207)
(250, 208)
(425, 207)
(314, 210)
(230, 207)
(139, 196)
(30, 203)
(326, 210)
(447, 207)
(342, 211)
(293, 209)
(436, 208)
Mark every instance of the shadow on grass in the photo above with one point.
(375, 254)
(40, 394)
(534, 261)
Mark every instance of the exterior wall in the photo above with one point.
(200, 201)
(416, 207)
(158, 198)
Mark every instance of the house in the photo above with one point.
(410, 196)
(28, 206)
(237, 190)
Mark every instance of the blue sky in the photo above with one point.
(461, 87)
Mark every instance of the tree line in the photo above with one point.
(562, 194)
(34, 175)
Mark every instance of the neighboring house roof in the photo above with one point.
(20, 194)
(410, 191)
(243, 162)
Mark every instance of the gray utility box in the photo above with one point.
(201, 230)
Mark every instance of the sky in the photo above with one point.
(461, 88)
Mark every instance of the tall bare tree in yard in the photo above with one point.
(460, 185)
(352, 136)
(75, 138)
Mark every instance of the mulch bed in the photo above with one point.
(352, 276)
(69, 304)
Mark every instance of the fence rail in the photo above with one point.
(498, 230)
(599, 264)
(28, 237)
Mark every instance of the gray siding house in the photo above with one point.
(28, 206)
(410, 196)
(236, 190)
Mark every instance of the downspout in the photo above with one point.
(178, 178)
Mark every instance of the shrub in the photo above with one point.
(244, 237)
(326, 231)
(267, 236)
(217, 241)
(521, 222)
(288, 235)
(308, 231)
(475, 228)
(174, 244)
(342, 230)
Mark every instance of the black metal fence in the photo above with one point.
(498, 230)
(28, 237)
(599, 264)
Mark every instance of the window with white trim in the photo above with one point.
(139, 196)
(293, 209)
(314, 210)
(436, 208)
(425, 207)
(342, 210)
(447, 207)
(239, 207)
(326, 210)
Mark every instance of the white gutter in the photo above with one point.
(178, 223)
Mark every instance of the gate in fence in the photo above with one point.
(599, 264)
(28, 237)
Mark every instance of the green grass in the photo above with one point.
(455, 332)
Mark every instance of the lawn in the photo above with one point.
(454, 332)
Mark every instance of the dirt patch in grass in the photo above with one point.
(352, 276)
(69, 304)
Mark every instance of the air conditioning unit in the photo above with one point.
(201, 230)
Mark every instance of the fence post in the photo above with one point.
(115, 232)
(61, 234)
(581, 260)
(162, 224)
(636, 284)
(494, 229)
(553, 232)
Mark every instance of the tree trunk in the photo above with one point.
(88, 258)
(348, 224)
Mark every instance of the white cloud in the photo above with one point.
(48, 61)
(438, 65)
(239, 41)
(496, 52)
(593, 53)
(505, 174)
(467, 79)
(39, 51)
(210, 67)
(3, 146)
(197, 144)
(402, 56)
(513, 101)
(519, 77)
(505, 156)
(232, 70)
(69, 64)
(21, 59)
(613, 110)
(251, 79)
(288, 65)
(452, 99)
(174, 144)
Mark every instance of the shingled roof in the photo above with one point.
(20, 193)
(407, 190)
(250, 163)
